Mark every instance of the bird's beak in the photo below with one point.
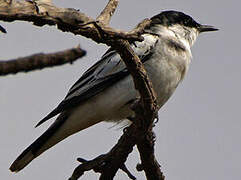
(206, 28)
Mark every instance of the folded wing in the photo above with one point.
(109, 70)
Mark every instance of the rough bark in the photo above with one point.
(39, 61)
(138, 133)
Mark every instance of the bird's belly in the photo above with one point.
(165, 78)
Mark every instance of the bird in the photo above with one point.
(105, 92)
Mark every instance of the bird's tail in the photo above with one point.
(44, 142)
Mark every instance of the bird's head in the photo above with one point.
(178, 24)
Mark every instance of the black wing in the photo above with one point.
(109, 70)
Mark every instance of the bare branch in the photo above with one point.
(148, 161)
(27, 11)
(109, 10)
(142, 123)
(39, 61)
(78, 23)
(141, 80)
(139, 29)
(109, 163)
(66, 19)
(124, 168)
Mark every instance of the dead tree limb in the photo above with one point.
(148, 161)
(66, 19)
(39, 61)
(72, 20)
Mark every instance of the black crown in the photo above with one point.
(168, 18)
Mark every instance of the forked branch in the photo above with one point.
(72, 20)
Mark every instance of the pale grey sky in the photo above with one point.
(199, 132)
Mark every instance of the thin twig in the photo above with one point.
(124, 168)
(108, 11)
(41, 60)
(78, 23)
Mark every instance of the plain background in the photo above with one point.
(199, 131)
